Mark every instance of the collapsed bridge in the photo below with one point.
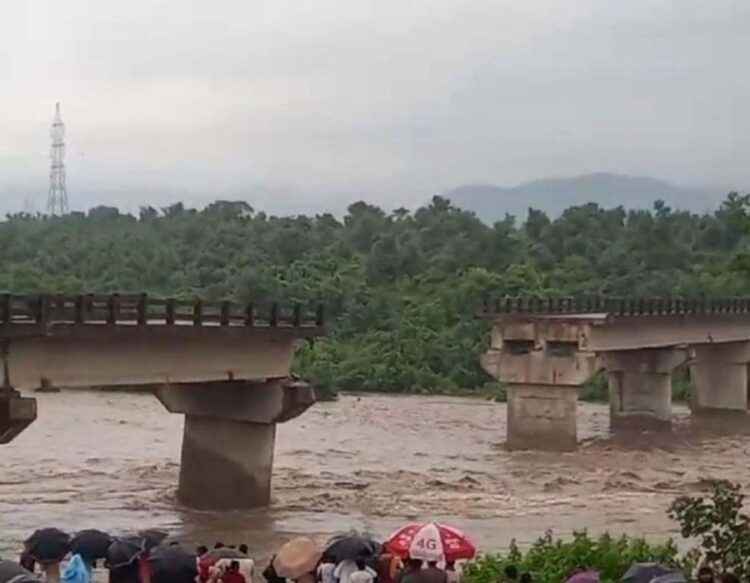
(224, 366)
(544, 349)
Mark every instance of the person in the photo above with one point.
(388, 568)
(125, 574)
(411, 572)
(706, 575)
(306, 578)
(363, 573)
(511, 574)
(214, 574)
(232, 573)
(526, 578)
(344, 569)
(729, 578)
(244, 549)
(201, 550)
(27, 562)
(325, 571)
(270, 574)
(433, 574)
(76, 571)
(451, 575)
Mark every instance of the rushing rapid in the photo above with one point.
(110, 460)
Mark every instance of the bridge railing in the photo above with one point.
(615, 306)
(140, 309)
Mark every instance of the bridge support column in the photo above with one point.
(542, 380)
(229, 435)
(720, 378)
(640, 387)
(542, 417)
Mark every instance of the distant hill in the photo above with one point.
(553, 195)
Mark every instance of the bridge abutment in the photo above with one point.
(720, 379)
(640, 387)
(229, 436)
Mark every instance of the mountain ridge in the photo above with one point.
(554, 194)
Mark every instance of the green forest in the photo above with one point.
(402, 289)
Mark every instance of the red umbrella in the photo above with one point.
(431, 542)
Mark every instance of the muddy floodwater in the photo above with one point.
(110, 460)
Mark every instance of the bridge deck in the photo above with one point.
(118, 339)
(607, 324)
(21, 315)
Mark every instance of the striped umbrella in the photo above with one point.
(431, 542)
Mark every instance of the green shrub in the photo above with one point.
(722, 529)
(552, 560)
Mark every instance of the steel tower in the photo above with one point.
(57, 201)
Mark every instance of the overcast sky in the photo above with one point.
(298, 104)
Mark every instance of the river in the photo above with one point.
(110, 460)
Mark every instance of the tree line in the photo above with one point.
(402, 288)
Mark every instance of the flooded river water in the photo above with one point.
(110, 460)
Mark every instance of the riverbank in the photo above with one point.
(595, 390)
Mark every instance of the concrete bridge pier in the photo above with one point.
(542, 382)
(229, 436)
(720, 378)
(640, 387)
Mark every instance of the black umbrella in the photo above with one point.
(224, 553)
(48, 545)
(10, 570)
(91, 544)
(152, 537)
(351, 546)
(124, 551)
(173, 564)
(644, 572)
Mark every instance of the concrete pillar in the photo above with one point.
(228, 440)
(720, 378)
(542, 380)
(225, 464)
(542, 417)
(16, 414)
(640, 387)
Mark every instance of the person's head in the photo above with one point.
(511, 572)
(450, 565)
(234, 566)
(219, 545)
(201, 550)
(413, 564)
(526, 578)
(729, 578)
(244, 549)
(361, 564)
(705, 575)
(27, 561)
(432, 564)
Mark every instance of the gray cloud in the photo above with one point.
(328, 100)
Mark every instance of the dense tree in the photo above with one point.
(402, 288)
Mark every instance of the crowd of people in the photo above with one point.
(381, 568)
(51, 556)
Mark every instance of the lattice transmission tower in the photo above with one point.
(57, 200)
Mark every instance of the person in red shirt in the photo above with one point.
(232, 574)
